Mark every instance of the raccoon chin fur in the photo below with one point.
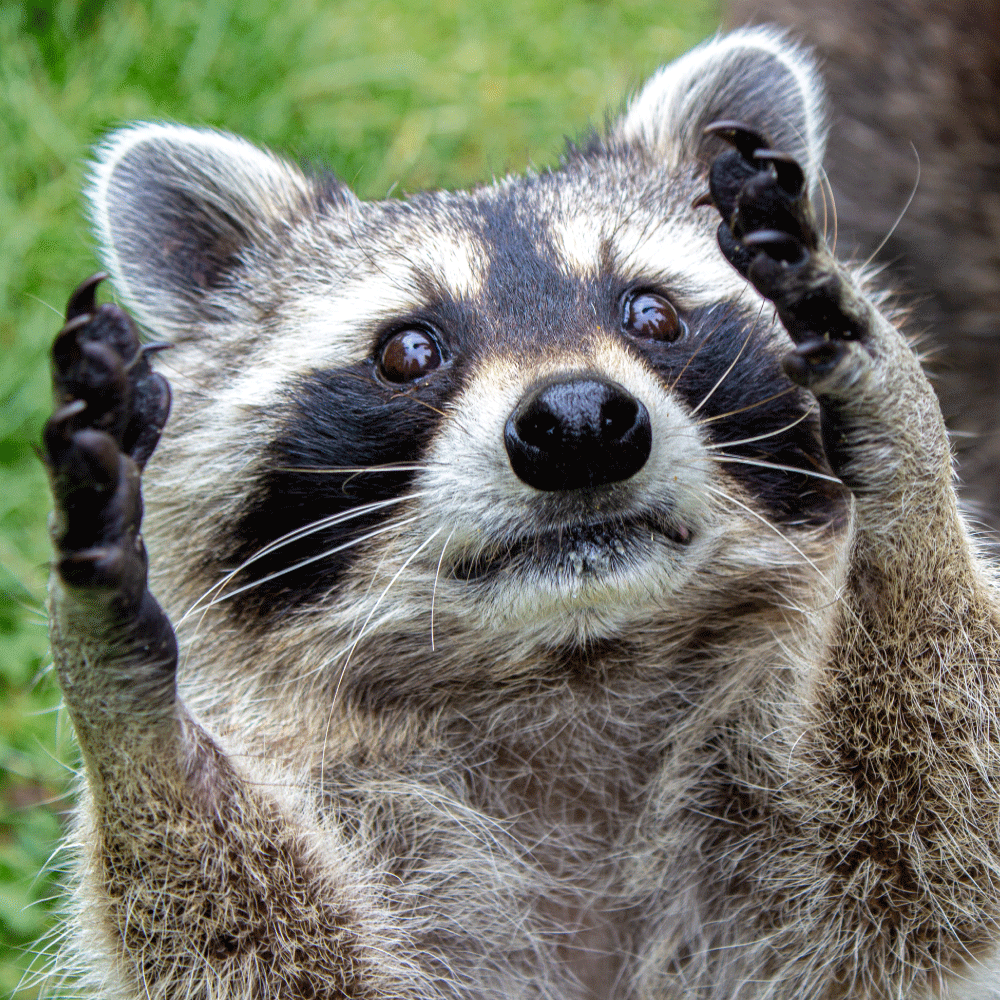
(570, 592)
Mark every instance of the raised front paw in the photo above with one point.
(110, 410)
(858, 366)
(770, 235)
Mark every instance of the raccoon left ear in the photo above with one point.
(757, 76)
(179, 211)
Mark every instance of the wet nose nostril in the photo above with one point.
(577, 432)
(618, 416)
(539, 428)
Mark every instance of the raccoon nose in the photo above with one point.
(577, 432)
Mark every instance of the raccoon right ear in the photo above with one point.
(178, 209)
(756, 76)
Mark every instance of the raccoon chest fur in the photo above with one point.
(538, 838)
(554, 590)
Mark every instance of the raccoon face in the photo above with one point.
(547, 404)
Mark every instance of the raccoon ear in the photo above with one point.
(756, 76)
(177, 209)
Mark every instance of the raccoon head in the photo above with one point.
(459, 427)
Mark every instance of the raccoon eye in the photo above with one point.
(409, 355)
(652, 317)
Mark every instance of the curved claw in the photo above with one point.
(786, 168)
(81, 302)
(781, 246)
(745, 139)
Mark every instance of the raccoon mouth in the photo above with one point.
(578, 550)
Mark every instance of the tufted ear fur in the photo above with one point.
(757, 76)
(178, 210)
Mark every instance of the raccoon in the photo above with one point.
(560, 586)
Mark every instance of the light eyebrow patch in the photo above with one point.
(683, 256)
(577, 240)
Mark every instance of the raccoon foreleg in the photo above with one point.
(195, 883)
(110, 409)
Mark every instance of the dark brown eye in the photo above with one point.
(409, 355)
(651, 316)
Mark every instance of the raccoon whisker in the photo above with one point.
(768, 524)
(833, 205)
(393, 525)
(422, 402)
(704, 340)
(723, 458)
(437, 576)
(297, 534)
(353, 470)
(810, 562)
(749, 406)
(353, 473)
(760, 437)
(378, 601)
(732, 365)
(824, 187)
(899, 218)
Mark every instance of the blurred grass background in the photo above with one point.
(392, 94)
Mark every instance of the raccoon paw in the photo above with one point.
(853, 361)
(110, 410)
(770, 235)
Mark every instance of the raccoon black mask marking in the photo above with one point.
(530, 303)
(563, 590)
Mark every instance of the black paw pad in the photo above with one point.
(813, 360)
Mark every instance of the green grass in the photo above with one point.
(393, 94)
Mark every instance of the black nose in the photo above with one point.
(577, 432)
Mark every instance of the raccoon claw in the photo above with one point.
(81, 302)
(813, 360)
(790, 176)
(783, 247)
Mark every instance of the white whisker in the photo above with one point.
(905, 209)
(391, 526)
(351, 470)
(296, 535)
(749, 406)
(768, 524)
(774, 465)
(725, 374)
(760, 437)
(378, 601)
(437, 576)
